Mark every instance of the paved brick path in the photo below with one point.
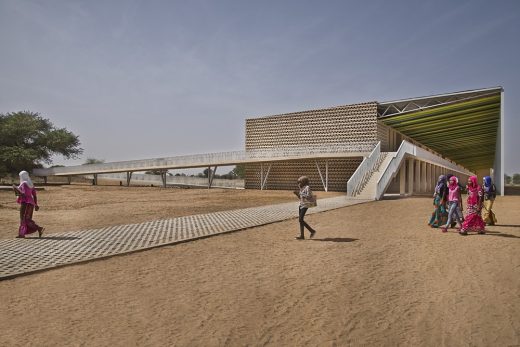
(23, 256)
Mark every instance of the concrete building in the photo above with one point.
(463, 128)
(365, 150)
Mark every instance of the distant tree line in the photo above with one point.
(237, 172)
(509, 180)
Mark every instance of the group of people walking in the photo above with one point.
(447, 200)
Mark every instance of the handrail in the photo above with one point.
(211, 159)
(406, 148)
(392, 167)
(362, 173)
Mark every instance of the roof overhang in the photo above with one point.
(461, 126)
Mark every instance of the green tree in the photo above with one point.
(155, 172)
(239, 171)
(507, 179)
(516, 178)
(93, 161)
(28, 141)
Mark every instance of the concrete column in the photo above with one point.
(426, 177)
(417, 177)
(411, 176)
(423, 177)
(402, 179)
(429, 177)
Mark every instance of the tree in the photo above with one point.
(27, 141)
(239, 171)
(507, 179)
(90, 161)
(516, 178)
(155, 172)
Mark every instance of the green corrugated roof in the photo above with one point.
(465, 131)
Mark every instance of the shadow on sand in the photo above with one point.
(335, 239)
(497, 233)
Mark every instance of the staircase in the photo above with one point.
(369, 187)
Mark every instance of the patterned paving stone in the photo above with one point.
(23, 256)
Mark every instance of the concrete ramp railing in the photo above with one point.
(213, 159)
(359, 178)
(408, 149)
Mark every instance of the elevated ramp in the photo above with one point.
(212, 159)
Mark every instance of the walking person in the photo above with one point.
(490, 193)
(459, 206)
(473, 221)
(440, 197)
(454, 201)
(28, 201)
(307, 199)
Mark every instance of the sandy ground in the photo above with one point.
(374, 275)
(76, 207)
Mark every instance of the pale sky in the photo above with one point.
(147, 79)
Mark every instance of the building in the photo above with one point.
(458, 132)
(365, 150)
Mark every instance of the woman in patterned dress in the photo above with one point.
(473, 221)
(440, 197)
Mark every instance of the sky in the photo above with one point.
(150, 79)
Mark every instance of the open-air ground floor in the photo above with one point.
(375, 274)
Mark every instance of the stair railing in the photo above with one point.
(392, 167)
(359, 178)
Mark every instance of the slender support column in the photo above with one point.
(402, 179)
(163, 178)
(264, 182)
(323, 182)
(261, 176)
(211, 175)
(128, 178)
(94, 182)
(411, 176)
(327, 175)
(69, 179)
(45, 179)
(498, 169)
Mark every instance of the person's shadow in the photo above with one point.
(335, 239)
(497, 233)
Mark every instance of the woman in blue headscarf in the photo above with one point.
(439, 215)
(490, 194)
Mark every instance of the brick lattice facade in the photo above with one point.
(351, 124)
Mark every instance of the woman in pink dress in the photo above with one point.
(28, 203)
(473, 221)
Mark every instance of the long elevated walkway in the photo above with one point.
(24, 256)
